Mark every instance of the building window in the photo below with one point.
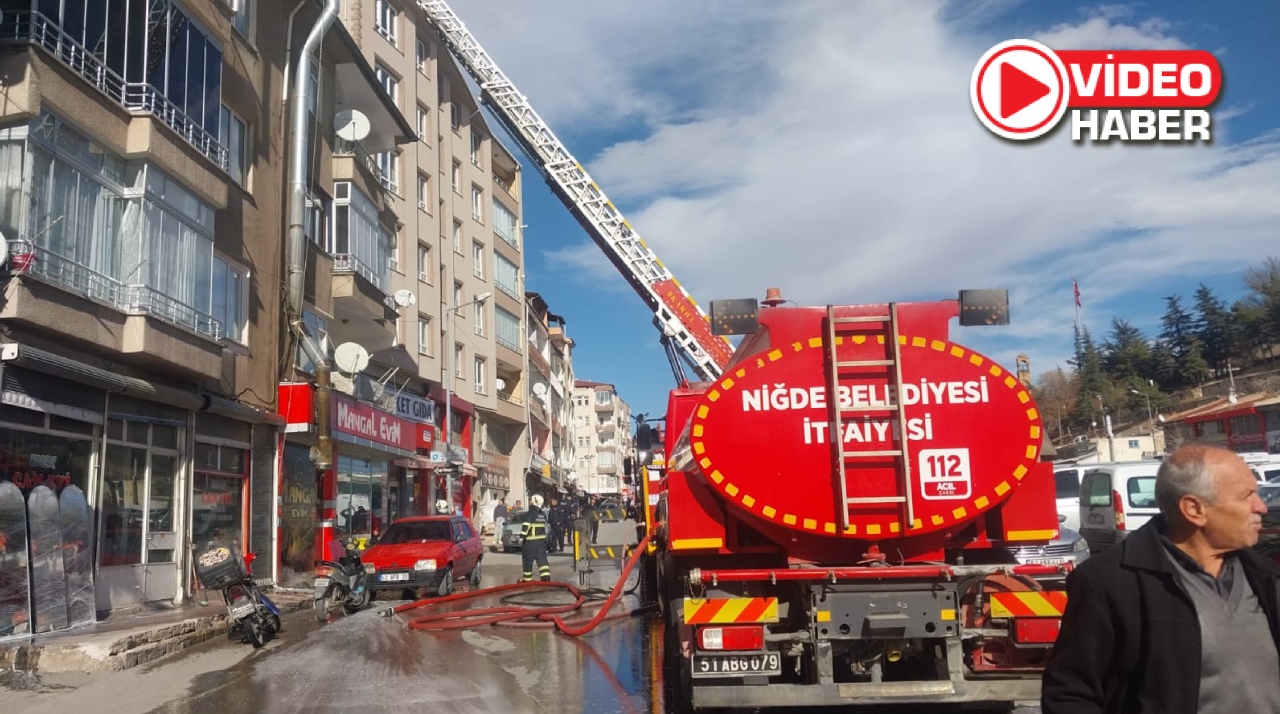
(477, 317)
(318, 328)
(386, 17)
(424, 262)
(359, 242)
(506, 275)
(455, 116)
(481, 376)
(424, 192)
(389, 81)
(477, 203)
(233, 133)
(121, 233)
(241, 20)
(393, 256)
(424, 124)
(505, 224)
(477, 260)
(457, 236)
(603, 398)
(389, 170)
(477, 142)
(457, 294)
(605, 459)
(424, 334)
(230, 293)
(507, 328)
(455, 177)
(422, 57)
(458, 354)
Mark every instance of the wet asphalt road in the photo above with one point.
(370, 663)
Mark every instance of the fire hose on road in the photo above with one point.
(545, 616)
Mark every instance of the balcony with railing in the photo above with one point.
(59, 295)
(26, 27)
(360, 292)
(366, 161)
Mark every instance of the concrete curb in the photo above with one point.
(123, 649)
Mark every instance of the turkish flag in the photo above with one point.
(1076, 287)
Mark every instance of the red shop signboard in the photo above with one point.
(367, 422)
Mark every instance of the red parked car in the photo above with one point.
(425, 552)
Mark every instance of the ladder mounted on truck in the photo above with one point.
(881, 328)
(676, 315)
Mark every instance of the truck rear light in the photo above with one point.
(739, 637)
(1036, 630)
(1118, 507)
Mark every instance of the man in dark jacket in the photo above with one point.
(1180, 617)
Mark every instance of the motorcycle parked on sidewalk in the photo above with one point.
(342, 582)
(221, 567)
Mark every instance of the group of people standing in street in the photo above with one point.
(545, 528)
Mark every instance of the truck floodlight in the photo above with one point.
(984, 307)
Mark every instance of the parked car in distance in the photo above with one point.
(512, 536)
(1269, 538)
(1068, 547)
(425, 552)
(1116, 499)
(1267, 471)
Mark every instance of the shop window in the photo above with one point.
(217, 503)
(359, 502)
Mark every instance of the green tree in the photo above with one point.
(1179, 338)
(1215, 328)
(1263, 282)
(1090, 379)
(1126, 354)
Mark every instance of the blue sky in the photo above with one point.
(827, 147)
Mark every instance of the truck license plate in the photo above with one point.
(393, 577)
(736, 665)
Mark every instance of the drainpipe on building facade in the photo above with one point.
(296, 238)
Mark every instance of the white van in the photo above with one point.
(1116, 499)
(1267, 472)
(1067, 481)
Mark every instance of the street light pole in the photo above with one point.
(1146, 396)
(448, 389)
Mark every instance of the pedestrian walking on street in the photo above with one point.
(1181, 617)
(536, 529)
(499, 518)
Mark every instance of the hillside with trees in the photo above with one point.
(1200, 340)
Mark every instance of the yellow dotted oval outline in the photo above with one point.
(728, 383)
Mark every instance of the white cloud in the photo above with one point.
(829, 148)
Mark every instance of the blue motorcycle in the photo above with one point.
(221, 567)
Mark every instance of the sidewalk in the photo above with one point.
(127, 641)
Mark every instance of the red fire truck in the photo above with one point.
(834, 521)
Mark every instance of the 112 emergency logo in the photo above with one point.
(1021, 90)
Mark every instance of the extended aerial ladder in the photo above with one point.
(682, 323)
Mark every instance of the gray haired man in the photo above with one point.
(1181, 616)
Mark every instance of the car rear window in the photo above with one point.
(1142, 492)
(416, 532)
(1097, 489)
(1270, 473)
(1068, 484)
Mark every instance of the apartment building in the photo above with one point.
(549, 468)
(143, 146)
(455, 258)
(602, 435)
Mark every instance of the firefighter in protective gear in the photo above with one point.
(536, 528)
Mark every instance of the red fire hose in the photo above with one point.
(518, 616)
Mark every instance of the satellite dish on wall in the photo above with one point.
(540, 389)
(351, 358)
(405, 298)
(351, 125)
(501, 383)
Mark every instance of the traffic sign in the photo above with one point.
(1020, 89)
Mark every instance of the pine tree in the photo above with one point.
(1090, 378)
(1215, 328)
(1126, 355)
